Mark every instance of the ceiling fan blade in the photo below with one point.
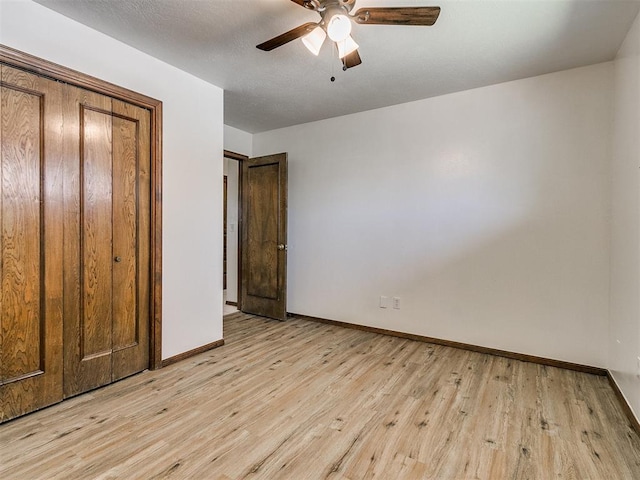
(287, 37)
(397, 15)
(352, 60)
(306, 4)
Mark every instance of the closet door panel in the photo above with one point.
(30, 243)
(125, 193)
(131, 205)
(95, 145)
(108, 264)
(88, 242)
(21, 234)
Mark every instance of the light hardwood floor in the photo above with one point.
(303, 400)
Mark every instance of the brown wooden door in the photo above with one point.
(75, 240)
(131, 251)
(31, 238)
(264, 236)
(107, 221)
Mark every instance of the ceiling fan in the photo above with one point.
(336, 23)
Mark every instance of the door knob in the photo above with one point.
(282, 246)
(118, 259)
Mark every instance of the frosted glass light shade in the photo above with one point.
(314, 40)
(339, 27)
(346, 47)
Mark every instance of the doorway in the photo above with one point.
(255, 235)
(230, 234)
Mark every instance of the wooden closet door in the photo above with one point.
(31, 239)
(131, 238)
(107, 254)
(88, 262)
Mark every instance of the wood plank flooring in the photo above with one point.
(304, 400)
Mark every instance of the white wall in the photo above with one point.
(485, 211)
(624, 340)
(192, 155)
(237, 141)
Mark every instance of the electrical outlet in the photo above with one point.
(396, 303)
(384, 302)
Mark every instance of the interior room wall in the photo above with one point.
(485, 212)
(192, 156)
(624, 339)
(237, 141)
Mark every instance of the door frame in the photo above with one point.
(239, 158)
(38, 66)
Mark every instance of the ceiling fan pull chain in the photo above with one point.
(334, 54)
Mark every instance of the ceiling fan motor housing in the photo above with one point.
(322, 5)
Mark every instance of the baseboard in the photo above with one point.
(233, 304)
(191, 353)
(464, 346)
(634, 423)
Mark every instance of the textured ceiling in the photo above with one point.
(474, 43)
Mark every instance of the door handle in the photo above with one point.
(282, 246)
(117, 259)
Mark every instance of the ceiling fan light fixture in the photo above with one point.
(347, 46)
(336, 23)
(314, 40)
(339, 27)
